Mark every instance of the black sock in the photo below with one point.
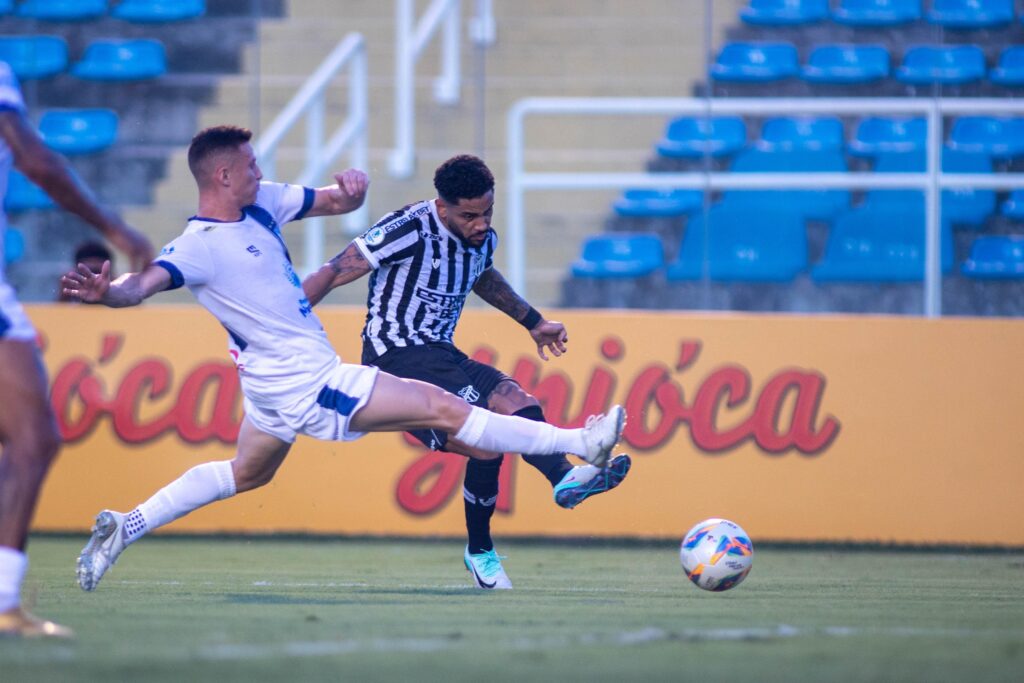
(553, 467)
(479, 493)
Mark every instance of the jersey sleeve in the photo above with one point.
(187, 260)
(10, 91)
(285, 202)
(390, 240)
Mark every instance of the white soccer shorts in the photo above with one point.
(14, 324)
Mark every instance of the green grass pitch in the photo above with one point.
(301, 610)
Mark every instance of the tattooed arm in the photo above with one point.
(549, 335)
(346, 267)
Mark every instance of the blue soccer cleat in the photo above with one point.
(584, 481)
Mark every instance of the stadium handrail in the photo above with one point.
(519, 180)
(410, 41)
(351, 134)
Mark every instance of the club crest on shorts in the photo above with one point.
(469, 394)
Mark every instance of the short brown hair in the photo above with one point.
(215, 139)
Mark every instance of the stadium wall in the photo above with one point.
(836, 429)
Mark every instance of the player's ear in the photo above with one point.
(442, 209)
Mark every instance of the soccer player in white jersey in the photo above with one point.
(234, 260)
(28, 429)
(425, 259)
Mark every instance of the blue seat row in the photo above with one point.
(32, 57)
(841, 63)
(954, 14)
(141, 11)
(998, 137)
(728, 244)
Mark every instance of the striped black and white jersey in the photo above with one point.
(422, 273)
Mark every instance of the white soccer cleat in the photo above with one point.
(487, 570)
(101, 552)
(601, 433)
(584, 481)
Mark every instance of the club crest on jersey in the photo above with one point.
(469, 394)
(375, 236)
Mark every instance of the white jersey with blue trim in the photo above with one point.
(10, 99)
(241, 272)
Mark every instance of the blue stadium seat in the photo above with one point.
(1014, 206)
(802, 133)
(876, 12)
(741, 246)
(997, 137)
(876, 245)
(159, 11)
(1010, 70)
(23, 194)
(876, 135)
(820, 205)
(122, 60)
(62, 10)
(692, 137)
(6, 7)
(971, 14)
(784, 12)
(842, 64)
(962, 206)
(79, 131)
(755, 62)
(947, 64)
(996, 258)
(620, 256)
(34, 56)
(14, 245)
(653, 203)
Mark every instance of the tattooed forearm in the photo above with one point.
(348, 266)
(495, 290)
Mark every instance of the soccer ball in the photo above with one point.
(716, 554)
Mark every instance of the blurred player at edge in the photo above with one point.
(425, 259)
(233, 259)
(28, 428)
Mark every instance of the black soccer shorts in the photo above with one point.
(442, 365)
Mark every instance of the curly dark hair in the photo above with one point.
(463, 177)
(209, 141)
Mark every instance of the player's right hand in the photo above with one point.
(85, 285)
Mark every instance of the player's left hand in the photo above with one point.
(352, 186)
(550, 335)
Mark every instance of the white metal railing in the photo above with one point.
(931, 181)
(411, 38)
(350, 135)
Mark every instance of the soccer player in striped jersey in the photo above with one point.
(425, 259)
(233, 258)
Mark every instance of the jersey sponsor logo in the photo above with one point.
(441, 305)
(469, 394)
(254, 250)
(375, 236)
(402, 220)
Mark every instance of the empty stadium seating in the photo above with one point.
(651, 203)
(122, 60)
(999, 137)
(995, 258)
(880, 135)
(79, 131)
(970, 14)
(1010, 70)
(62, 10)
(874, 13)
(1014, 206)
(694, 137)
(159, 11)
(811, 204)
(24, 195)
(32, 57)
(622, 255)
(802, 133)
(942, 64)
(846, 63)
(14, 245)
(784, 12)
(755, 62)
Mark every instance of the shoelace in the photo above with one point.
(591, 419)
(491, 562)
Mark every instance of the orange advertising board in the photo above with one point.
(838, 429)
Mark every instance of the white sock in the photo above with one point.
(201, 485)
(510, 434)
(13, 565)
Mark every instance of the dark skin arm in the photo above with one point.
(346, 267)
(549, 335)
(52, 172)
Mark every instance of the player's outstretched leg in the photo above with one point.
(584, 481)
(487, 570)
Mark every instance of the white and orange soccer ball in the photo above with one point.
(716, 554)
